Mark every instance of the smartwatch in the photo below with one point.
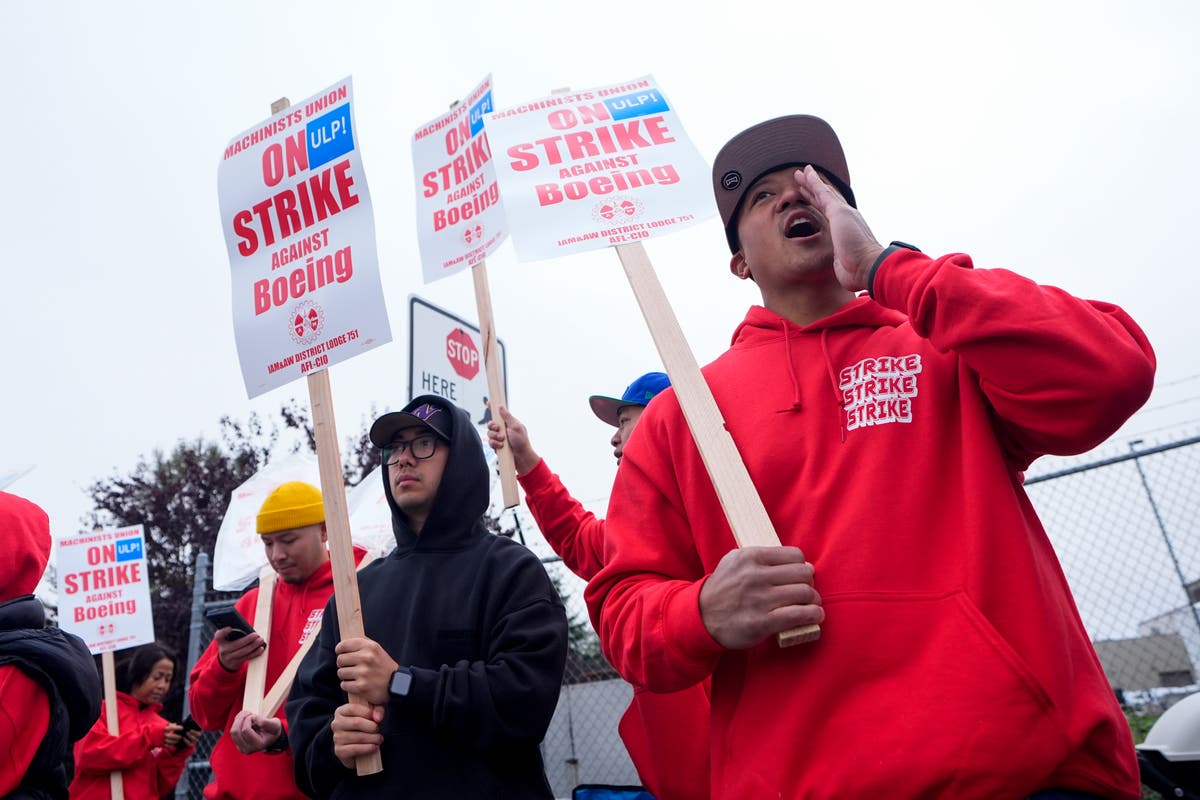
(401, 682)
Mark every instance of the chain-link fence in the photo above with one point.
(1126, 530)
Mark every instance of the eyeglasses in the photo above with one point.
(420, 447)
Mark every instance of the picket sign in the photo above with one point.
(337, 517)
(491, 360)
(116, 784)
(739, 499)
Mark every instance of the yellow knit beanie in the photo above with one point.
(294, 504)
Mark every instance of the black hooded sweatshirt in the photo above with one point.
(477, 620)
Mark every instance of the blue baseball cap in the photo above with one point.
(639, 393)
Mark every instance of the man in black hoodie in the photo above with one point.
(49, 688)
(465, 639)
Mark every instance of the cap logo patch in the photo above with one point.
(731, 180)
(424, 411)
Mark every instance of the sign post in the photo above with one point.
(104, 598)
(612, 166)
(460, 222)
(301, 240)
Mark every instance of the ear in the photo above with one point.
(739, 266)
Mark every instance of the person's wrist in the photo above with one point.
(881, 257)
(280, 744)
(526, 462)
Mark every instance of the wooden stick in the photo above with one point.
(256, 669)
(115, 782)
(495, 380)
(743, 507)
(283, 683)
(337, 523)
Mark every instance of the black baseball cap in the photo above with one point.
(426, 411)
(797, 140)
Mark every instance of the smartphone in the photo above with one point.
(229, 617)
(188, 724)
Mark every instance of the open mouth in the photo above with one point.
(800, 227)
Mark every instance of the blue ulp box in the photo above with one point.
(129, 549)
(636, 104)
(483, 106)
(329, 136)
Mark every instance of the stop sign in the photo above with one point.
(462, 353)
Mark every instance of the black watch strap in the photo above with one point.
(887, 251)
(279, 745)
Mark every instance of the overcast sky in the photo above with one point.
(1057, 139)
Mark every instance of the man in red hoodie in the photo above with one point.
(886, 405)
(291, 524)
(666, 734)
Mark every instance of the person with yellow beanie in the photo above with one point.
(253, 760)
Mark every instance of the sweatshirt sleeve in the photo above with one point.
(574, 533)
(101, 751)
(215, 693)
(1061, 373)
(509, 696)
(24, 720)
(168, 767)
(645, 602)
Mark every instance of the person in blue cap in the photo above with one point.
(666, 734)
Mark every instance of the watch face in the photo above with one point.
(401, 681)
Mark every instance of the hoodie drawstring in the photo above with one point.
(787, 349)
(838, 397)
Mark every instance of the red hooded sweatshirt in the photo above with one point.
(666, 734)
(215, 693)
(148, 769)
(888, 442)
(25, 706)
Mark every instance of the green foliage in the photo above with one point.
(1140, 724)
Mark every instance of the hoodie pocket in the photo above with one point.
(905, 695)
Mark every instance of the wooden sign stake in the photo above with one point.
(256, 669)
(743, 507)
(116, 784)
(495, 380)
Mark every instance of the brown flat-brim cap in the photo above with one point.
(781, 142)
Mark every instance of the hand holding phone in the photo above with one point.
(187, 726)
(229, 617)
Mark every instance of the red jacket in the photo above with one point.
(888, 442)
(24, 718)
(148, 769)
(215, 694)
(666, 734)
